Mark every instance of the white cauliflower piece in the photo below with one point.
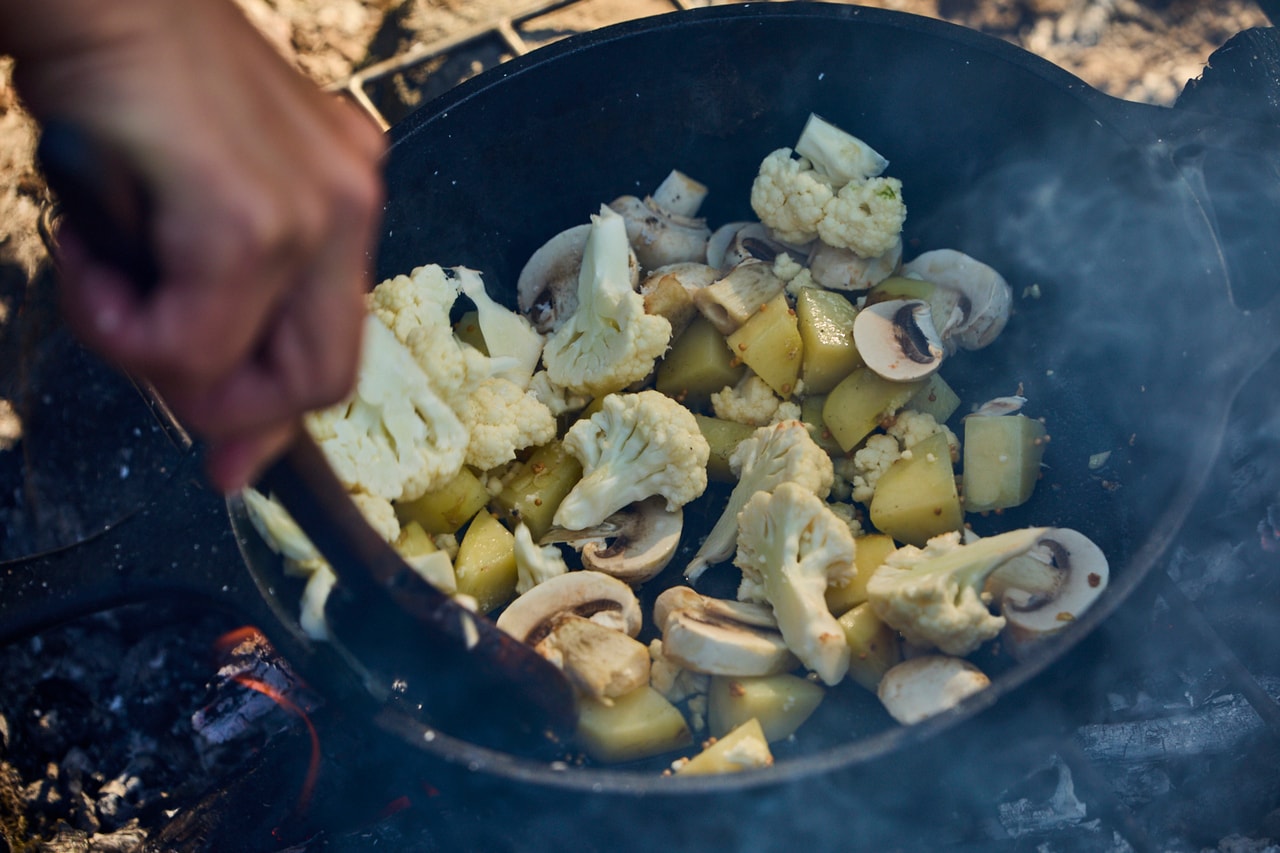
(910, 428)
(502, 418)
(865, 217)
(831, 191)
(609, 342)
(672, 680)
(395, 437)
(636, 446)
(534, 563)
(277, 528)
(933, 595)
(868, 464)
(846, 513)
(751, 402)
(557, 398)
(802, 280)
(380, 514)
(507, 334)
(789, 197)
(788, 410)
(780, 453)
(791, 547)
(786, 267)
(416, 309)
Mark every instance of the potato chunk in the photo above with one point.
(826, 332)
(744, 748)
(916, 498)
(872, 549)
(780, 702)
(535, 493)
(698, 364)
(723, 436)
(486, 563)
(446, 509)
(860, 402)
(1002, 455)
(873, 645)
(638, 725)
(769, 343)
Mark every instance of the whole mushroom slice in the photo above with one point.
(1047, 588)
(897, 340)
(633, 545)
(705, 643)
(985, 297)
(844, 269)
(921, 687)
(600, 662)
(592, 595)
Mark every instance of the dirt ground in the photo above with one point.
(1143, 50)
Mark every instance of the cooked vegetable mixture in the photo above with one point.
(536, 463)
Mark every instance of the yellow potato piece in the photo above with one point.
(698, 364)
(534, 494)
(859, 403)
(486, 563)
(873, 645)
(916, 498)
(780, 702)
(826, 332)
(744, 748)
(723, 436)
(871, 551)
(446, 509)
(1002, 455)
(638, 725)
(769, 343)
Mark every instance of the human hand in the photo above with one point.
(265, 196)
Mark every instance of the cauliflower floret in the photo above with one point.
(786, 267)
(380, 514)
(416, 309)
(865, 216)
(672, 680)
(933, 595)
(636, 446)
(557, 398)
(751, 402)
(831, 191)
(868, 464)
(910, 428)
(394, 438)
(789, 197)
(507, 335)
(803, 279)
(780, 453)
(788, 410)
(791, 547)
(503, 418)
(535, 564)
(846, 513)
(609, 342)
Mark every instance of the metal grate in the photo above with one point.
(391, 89)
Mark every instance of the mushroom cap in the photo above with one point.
(547, 289)
(668, 291)
(593, 595)
(677, 598)
(1082, 573)
(735, 242)
(927, 685)
(897, 340)
(985, 297)
(644, 539)
(598, 661)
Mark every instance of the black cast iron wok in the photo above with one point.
(1135, 344)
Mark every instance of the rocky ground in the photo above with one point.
(84, 688)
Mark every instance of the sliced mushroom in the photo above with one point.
(924, 686)
(547, 289)
(985, 297)
(844, 269)
(705, 643)
(677, 598)
(735, 242)
(662, 229)
(668, 292)
(731, 301)
(600, 662)
(897, 340)
(592, 595)
(1047, 588)
(640, 541)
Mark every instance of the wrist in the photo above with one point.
(41, 30)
